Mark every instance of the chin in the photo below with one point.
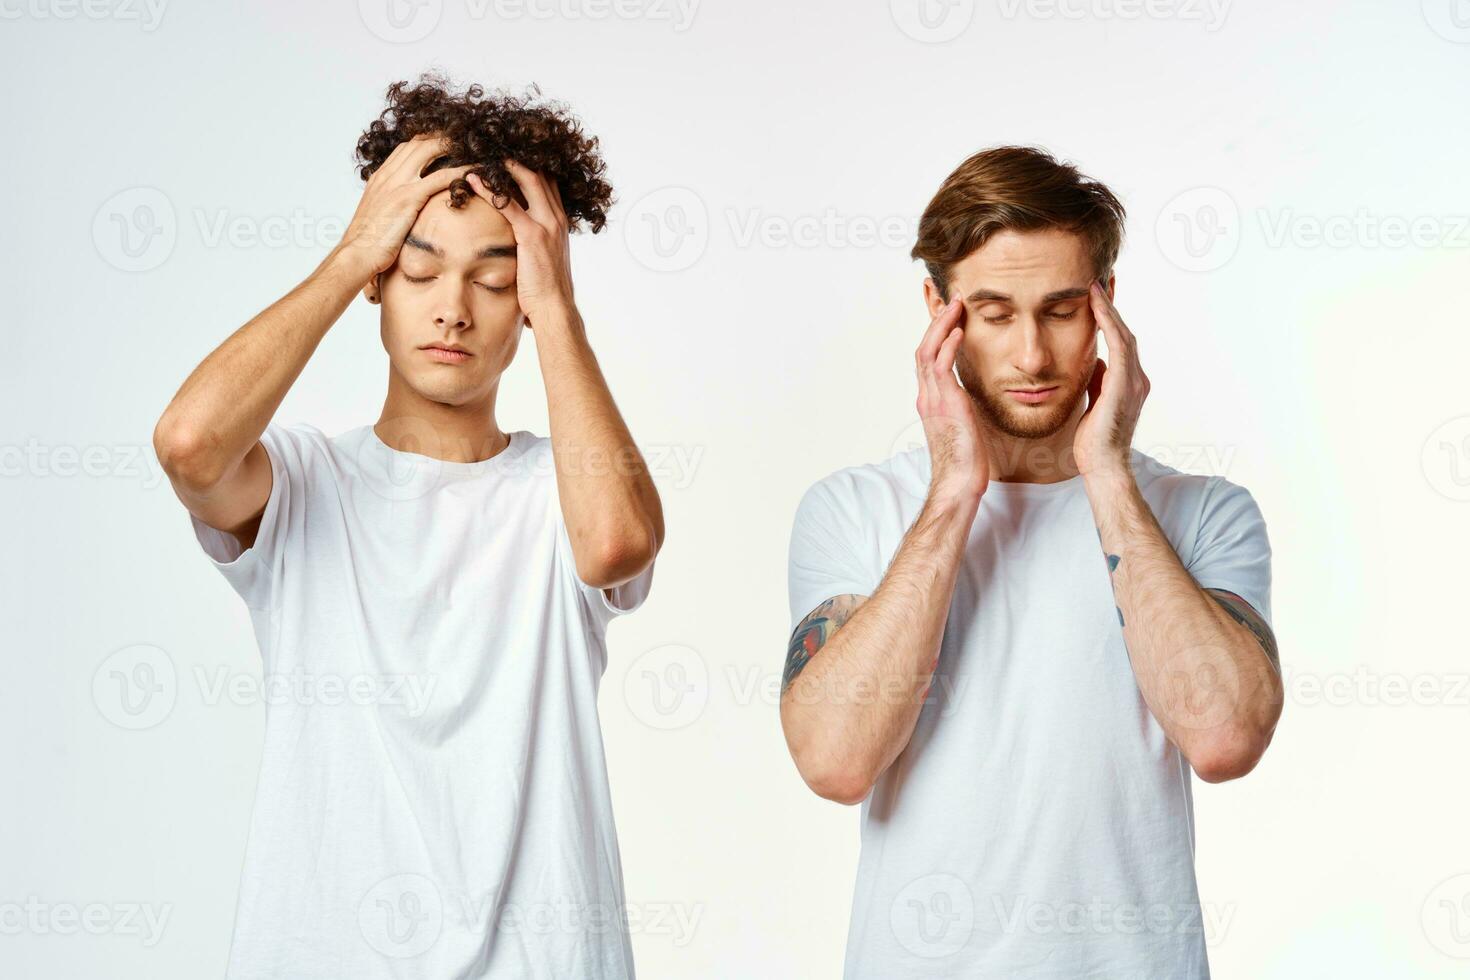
(439, 392)
(1029, 423)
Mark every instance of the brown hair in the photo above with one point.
(484, 128)
(1022, 188)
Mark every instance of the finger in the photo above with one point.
(395, 159)
(440, 180)
(1117, 343)
(533, 186)
(944, 362)
(427, 150)
(946, 319)
(1118, 319)
(512, 211)
(1122, 324)
(413, 155)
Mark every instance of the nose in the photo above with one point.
(454, 319)
(1032, 357)
(452, 310)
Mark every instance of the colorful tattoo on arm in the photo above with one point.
(813, 632)
(1242, 613)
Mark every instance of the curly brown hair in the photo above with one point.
(485, 129)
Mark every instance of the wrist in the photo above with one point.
(953, 503)
(556, 328)
(553, 313)
(348, 265)
(1110, 482)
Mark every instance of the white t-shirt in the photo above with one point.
(1038, 824)
(433, 797)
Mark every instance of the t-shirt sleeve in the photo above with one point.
(1231, 550)
(254, 571)
(605, 604)
(823, 559)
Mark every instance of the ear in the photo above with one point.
(373, 292)
(932, 298)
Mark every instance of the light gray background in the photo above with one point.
(1295, 272)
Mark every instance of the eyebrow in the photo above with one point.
(983, 295)
(489, 252)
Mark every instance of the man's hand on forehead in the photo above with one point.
(392, 200)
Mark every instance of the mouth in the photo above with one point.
(1032, 396)
(446, 354)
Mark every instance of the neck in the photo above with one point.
(466, 433)
(1044, 459)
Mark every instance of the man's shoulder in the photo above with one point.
(296, 444)
(906, 472)
(869, 490)
(1171, 491)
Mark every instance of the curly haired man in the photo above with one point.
(430, 593)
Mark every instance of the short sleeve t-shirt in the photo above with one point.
(433, 796)
(1039, 824)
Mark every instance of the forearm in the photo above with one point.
(611, 506)
(1205, 677)
(852, 709)
(226, 402)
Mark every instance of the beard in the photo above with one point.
(1025, 421)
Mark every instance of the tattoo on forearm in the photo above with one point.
(1242, 613)
(1113, 561)
(813, 632)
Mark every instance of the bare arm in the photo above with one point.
(208, 438)
(612, 511)
(857, 671)
(1205, 661)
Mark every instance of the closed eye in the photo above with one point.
(997, 320)
(486, 286)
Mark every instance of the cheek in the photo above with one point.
(1083, 353)
(973, 360)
